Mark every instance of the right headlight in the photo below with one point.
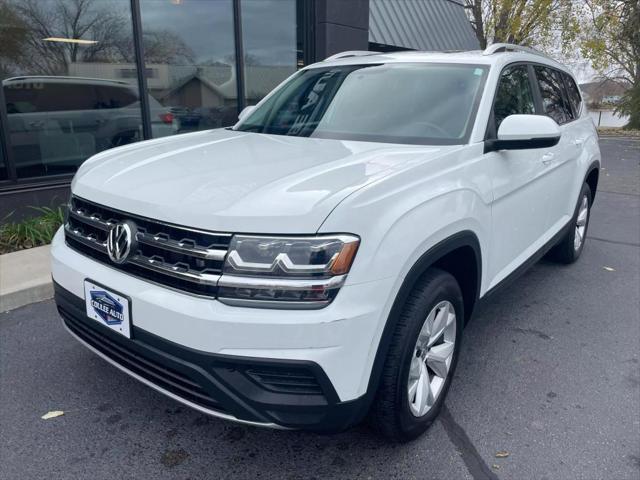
(286, 272)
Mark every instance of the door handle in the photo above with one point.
(547, 158)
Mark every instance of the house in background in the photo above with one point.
(152, 68)
(603, 94)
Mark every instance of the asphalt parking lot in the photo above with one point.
(549, 373)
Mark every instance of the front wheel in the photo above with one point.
(568, 250)
(421, 359)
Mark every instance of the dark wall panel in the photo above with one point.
(341, 25)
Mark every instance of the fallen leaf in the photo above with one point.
(52, 414)
(609, 269)
(502, 454)
(495, 466)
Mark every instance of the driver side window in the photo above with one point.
(514, 95)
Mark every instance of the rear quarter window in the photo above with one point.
(574, 94)
(554, 101)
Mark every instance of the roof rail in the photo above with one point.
(510, 47)
(350, 53)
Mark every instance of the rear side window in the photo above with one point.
(554, 101)
(115, 96)
(574, 94)
(49, 97)
(514, 95)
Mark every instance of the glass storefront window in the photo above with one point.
(3, 168)
(270, 44)
(69, 79)
(190, 63)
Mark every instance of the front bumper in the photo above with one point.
(270, 393)
(228, 361)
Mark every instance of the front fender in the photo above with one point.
(400, 217)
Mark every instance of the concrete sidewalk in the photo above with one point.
(25, 277)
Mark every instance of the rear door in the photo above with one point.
(561, 162)
(520, 206)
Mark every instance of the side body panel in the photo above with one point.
(403, 217)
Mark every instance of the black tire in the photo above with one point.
(565, 251)
(390, 413)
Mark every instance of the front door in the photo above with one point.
(519, 179)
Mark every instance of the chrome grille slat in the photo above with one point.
(93, 221)
(178, 247)
(200, 278)
(86, 240)
(178, 257)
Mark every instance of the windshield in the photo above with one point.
(413, 103)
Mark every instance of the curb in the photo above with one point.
(25, 277)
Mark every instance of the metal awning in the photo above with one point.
(421, 25)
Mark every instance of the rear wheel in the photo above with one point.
(568, 250)
(421, 359)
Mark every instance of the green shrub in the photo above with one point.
(31, 232)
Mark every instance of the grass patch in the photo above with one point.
(31, 232)
(618, 132)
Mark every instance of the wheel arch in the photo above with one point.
(591, 178)
(452, 255)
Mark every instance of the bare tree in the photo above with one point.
(100, 21)
(524, 22)
(13, 33)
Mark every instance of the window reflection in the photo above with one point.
(554, 103)
(335, 102)
(3, 168)
(270, 45)
(514, 94)
(62, 65)
(190, 63)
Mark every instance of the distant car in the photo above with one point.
(55, 123)
(318, 261)
(185, 119)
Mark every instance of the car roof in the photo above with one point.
(471, 57)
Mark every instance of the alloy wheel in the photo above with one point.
(581, 223)
(432, 357)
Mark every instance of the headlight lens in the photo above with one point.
(286, 272)
(302, 257)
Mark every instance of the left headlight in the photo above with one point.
(286, 272)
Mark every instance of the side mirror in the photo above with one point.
(521, 132)
(246, 111)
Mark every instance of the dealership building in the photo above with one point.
(82, 76)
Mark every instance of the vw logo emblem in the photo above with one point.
(120, 241)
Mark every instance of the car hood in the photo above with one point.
(231, 181)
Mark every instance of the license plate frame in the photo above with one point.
(108, 307)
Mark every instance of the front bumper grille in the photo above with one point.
(146, 367)
(178, 257)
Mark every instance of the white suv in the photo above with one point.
(318, 261)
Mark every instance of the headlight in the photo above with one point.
(286, 272)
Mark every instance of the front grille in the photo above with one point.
(178, 257)
(163, 376)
